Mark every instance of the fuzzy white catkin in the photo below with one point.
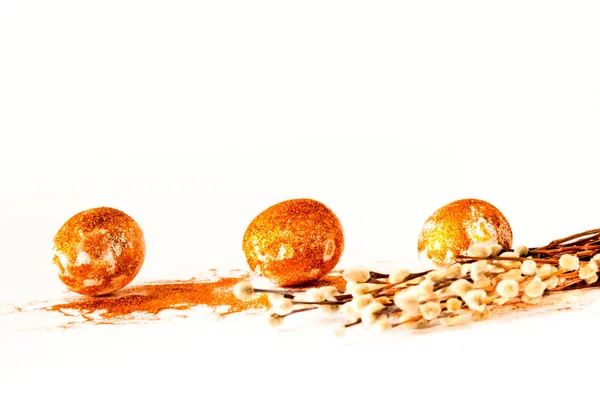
(453, 271)
(460, 287)
(348, 310)
(586, 272)
(529, 267)
(398, 276)
(450, 321)
(544, 271)
(426, 287)
(551, 283)
(328, 291)
(500, 300)
(361, 302)
(496, 248)
(339, 330)
(494, 268)
(477, 276)
(521, 251)
(480, 250)
(430, 310)
(480, 315)
(514, 274)
(330, 309)
(535, 288)
(356, 275)
(510, 263)
(508, 288)
(593, 265)
(284, 306)
(479, 266)
(482, 283)
(363, 288)
(474, 299)
(384, 300)
(243, 291)
(274, 298)
(369, 314)
(465, 269)
(406, 302)
(568, 262)
(274, 320)
(592, 279)
(383, 324)
(314, 295)
(453, 304)
(436, 275)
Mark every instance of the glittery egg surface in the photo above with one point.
(453, 228)
(99, 251)
(294, 242)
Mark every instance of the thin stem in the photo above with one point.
(353, 323)
(276, 291)
(498, 258)
(318, 303)
(411, 277)
(299, 311)
(409, 320)
(377, 275)
(569, 238)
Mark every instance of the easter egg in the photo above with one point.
(453, 228)
(99, 251)
(294, 242)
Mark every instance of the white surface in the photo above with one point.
(534, 353)
(195, 116)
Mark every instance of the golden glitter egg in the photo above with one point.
(453, 228)
(294, 242)
(99, 251)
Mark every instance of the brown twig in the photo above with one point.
(584, 246)
(561, 241)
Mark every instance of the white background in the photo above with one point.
(194, 116)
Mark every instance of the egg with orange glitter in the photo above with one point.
(453, 228)
(99, 251)
(294, 242)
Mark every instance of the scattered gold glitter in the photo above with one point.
(141, 302)
(294, 242)
(99, 251)
(211, 292)
(452, 229)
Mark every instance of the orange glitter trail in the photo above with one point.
(151, 299)
(138, 302)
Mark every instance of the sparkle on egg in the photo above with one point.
(99, 251)
(453, 228)
(294, 242)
